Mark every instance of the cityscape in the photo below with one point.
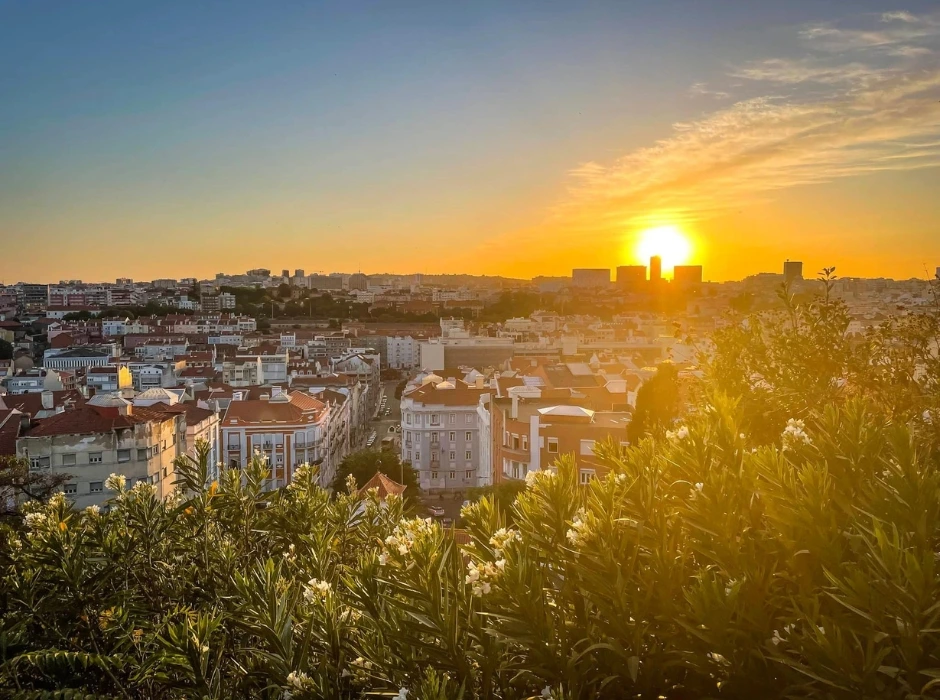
(596, 355)
(219, 360)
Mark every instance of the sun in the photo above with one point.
(668, 242)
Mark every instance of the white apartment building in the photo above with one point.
(441, 433)
(34, 380)
(202, 424)
(402, 352)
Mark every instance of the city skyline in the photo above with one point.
(532, 138)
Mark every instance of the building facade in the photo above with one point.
(106, 436)
(440, 430)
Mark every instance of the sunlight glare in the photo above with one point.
(668, 242)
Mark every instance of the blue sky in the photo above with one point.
(374, 135)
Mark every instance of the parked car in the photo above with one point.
(447, 522)
(436, 511)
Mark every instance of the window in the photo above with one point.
(95, 487)
(407, 455)
(417, 456)
(434, 439)
(585, 476)
(525, 442)
(453, 475)
(39, 462)
(124, 455)
(553, 445)
(156, 450)
(469, 454)
(70, 489)
(587, 447)
(435, 419)
(453, 456)
(469, 474)
(452, 418)
(515, 441)
(469, 418)
(155, 479)
(94, 458)
(469, 436)
(408, 419)
(452, 436)
(142, 455)
(68, 460)
(433, 475)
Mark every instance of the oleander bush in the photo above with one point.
(765, 546)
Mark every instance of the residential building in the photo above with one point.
(596, 277)
(109, 379)
(288, 429)
(534, 433)
(402, 352)
(482, 351)
(441, 433)
(34, 380)
(202, 424)
(631, 277)
(687, 276)
(107, 435)
(792, 271)
(358, 281)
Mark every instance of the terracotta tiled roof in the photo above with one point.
(93, 419)
(384, 485)
(330, 396)
(462, 395)
(10, 421)
(300, 409)
(194, 414)
(31, 403)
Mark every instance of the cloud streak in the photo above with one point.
(860, 100)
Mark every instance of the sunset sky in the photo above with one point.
(170, 139)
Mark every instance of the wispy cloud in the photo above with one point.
(702, 90)
(842, 116)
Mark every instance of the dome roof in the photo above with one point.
(108, 400)
(567, 411)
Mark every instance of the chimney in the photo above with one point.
(48, 400)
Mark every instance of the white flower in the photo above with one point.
(928, 416)
(297, 679)
(501, 564)
(699, 486)
(795, 435)
(34, 520)
(402, 694)
(579, 530)
(383, 559)
(403, 549)
(115, 482)
(93, 510)
(204, 648)
(621, 478)
(547, 692)
(501, 539)
(532, 477)
(682, 433)
(317, 590)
